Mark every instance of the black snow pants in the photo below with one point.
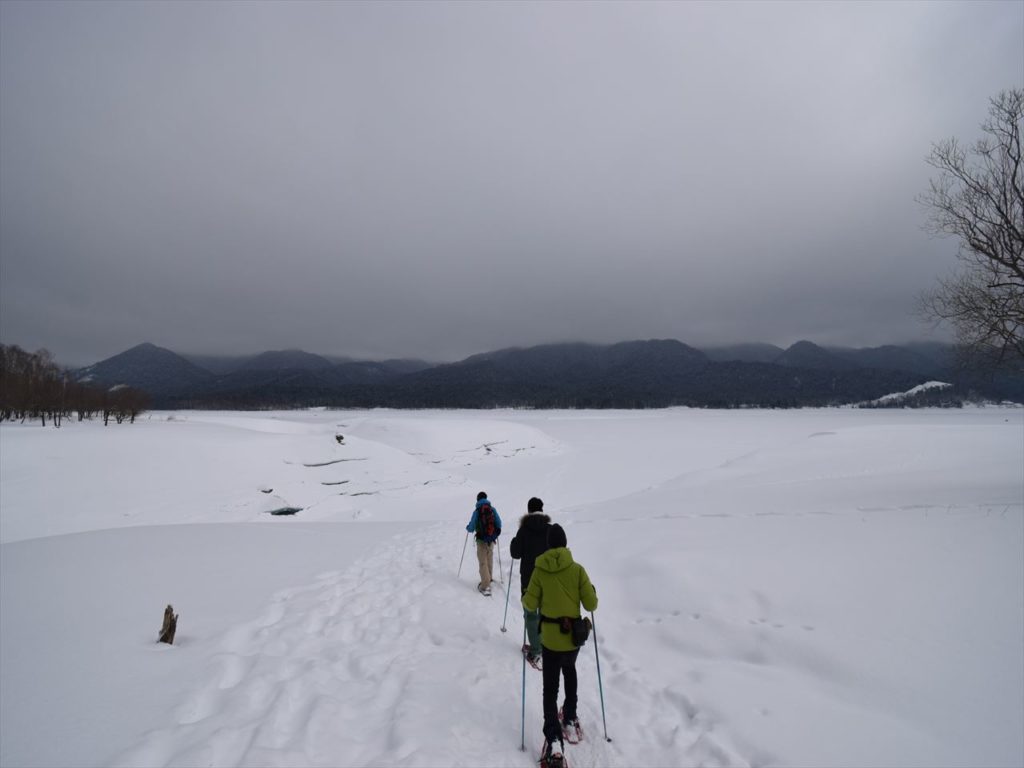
(556, 664)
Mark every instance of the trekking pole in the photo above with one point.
(522, 742)
(508, 591)
(464, 543)
(600, 687)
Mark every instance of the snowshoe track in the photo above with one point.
(349, 670)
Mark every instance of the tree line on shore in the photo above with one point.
(34, 388)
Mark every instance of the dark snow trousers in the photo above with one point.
(556, 665)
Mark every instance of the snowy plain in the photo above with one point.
(802, 588)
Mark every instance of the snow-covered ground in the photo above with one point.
(897, 396)
(812, 588)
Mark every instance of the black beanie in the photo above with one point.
(556, 536)
(481, 496)
(535, 505)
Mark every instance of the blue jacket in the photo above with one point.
(476, 514)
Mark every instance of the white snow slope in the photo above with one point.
(798, 588)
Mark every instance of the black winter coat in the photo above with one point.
(530, 541)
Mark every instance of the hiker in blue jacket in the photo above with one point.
(486, 524)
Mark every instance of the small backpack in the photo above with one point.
(486, 528)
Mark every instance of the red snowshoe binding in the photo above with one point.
(572, 731)
(553, 756)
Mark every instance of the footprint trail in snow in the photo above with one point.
(394, 661)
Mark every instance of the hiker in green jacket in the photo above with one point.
(557, 587)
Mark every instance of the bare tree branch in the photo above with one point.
(978, 197)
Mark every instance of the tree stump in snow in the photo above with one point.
(169, 627)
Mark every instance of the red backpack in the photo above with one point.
(486, 528)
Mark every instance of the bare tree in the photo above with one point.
(33, 386)
(978, 197)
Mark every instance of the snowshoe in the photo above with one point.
(533, 661)
(572, 731)
(553, 756)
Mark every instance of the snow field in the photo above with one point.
(828, 587)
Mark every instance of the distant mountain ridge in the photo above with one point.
(288, 359)
(172, 380)
(924, 358)
(153, 369)
(744, 353)
(634, 374)
(804, 354)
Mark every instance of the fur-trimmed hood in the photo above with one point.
(534, 521)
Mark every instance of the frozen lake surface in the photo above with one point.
(800, 588)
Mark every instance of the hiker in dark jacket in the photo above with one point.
(557, 587)
(530, 541)
(486, 524)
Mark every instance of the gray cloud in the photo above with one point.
(438, 179)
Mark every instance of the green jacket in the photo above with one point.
(558, 586)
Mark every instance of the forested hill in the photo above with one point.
(636, 374)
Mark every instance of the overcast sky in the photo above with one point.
(440, 179)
